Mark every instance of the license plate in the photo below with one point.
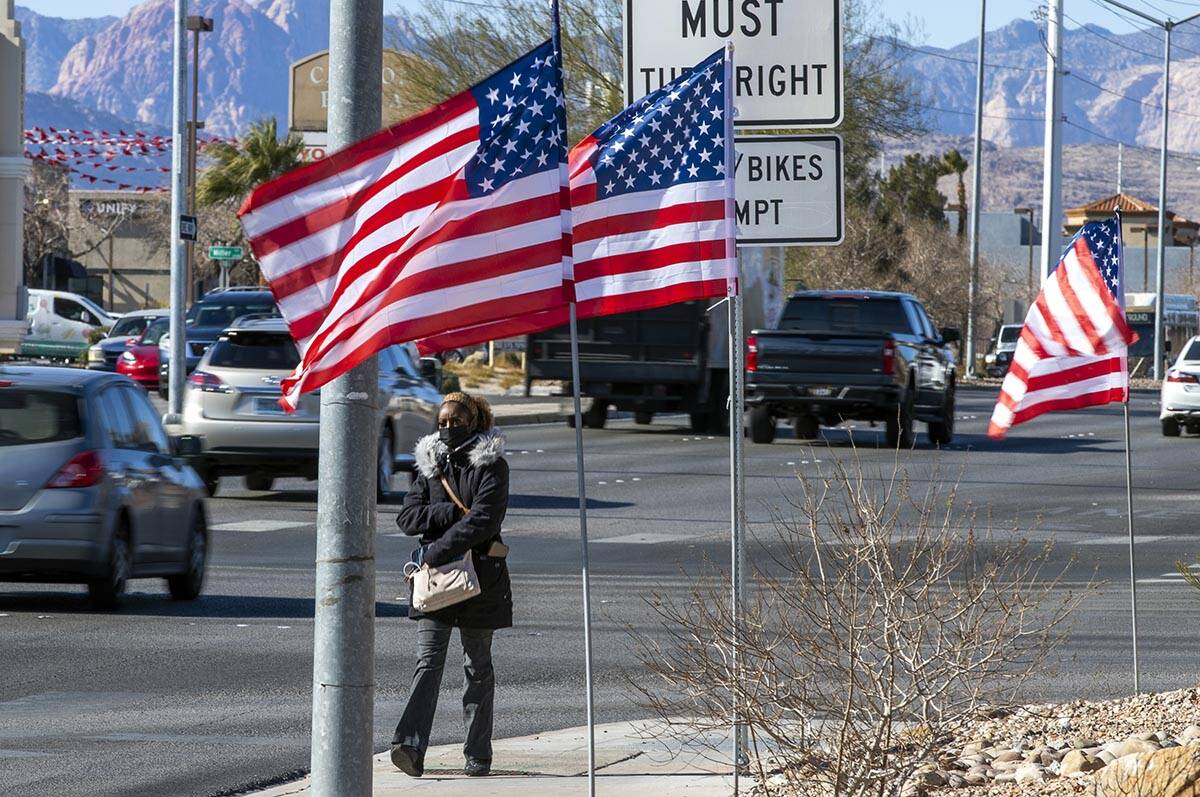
(820, 391)
(267, 406)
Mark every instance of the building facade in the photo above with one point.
(13, 168)
(123, 238)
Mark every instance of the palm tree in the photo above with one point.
(954, 163)
(238, 169)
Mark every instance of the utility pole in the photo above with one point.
(1160, 266)
(976, 171)
(1120, 164)
(178, 365)
(196, 25)
(1052, 155)
(344, 629)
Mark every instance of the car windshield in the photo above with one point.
(130, 326)
(266, 351)
(222, 314)
(850, 314)
(37, 416)
(1009, 334)
(154, 333)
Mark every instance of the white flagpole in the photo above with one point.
(737, 480)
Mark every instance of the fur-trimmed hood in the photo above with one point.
(430, 450)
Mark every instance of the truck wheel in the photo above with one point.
(1170, 427)
(643, 418)
(941, 432)
(596, 415)
(807, 427)
(260, 482)
(900, 426)
(762, 425)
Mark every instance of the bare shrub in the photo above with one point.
(880, 624)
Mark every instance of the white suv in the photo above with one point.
(232, 404)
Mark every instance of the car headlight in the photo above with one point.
(128, 357)
(95, 354)
(990, 359)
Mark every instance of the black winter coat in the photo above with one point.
(479, 475)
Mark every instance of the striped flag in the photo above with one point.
(452, 218)
(652, 205)
(1072, 352)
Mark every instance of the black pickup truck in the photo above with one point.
(852, 355)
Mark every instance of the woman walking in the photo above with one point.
(463, 464)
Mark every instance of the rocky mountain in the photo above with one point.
(123, 66)
(1113, 89)
(48, 40)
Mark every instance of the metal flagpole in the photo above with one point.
(583, 538)
(1132, 567)
(1052, 155)
(344, 623)
(576, 387)
(1160, 268)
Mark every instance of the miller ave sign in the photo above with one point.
(787, 60)
(789, 190)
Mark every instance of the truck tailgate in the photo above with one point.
(828, 356)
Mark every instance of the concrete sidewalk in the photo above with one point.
(628, 763)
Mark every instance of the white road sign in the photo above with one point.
(787, 54)
(789, 190)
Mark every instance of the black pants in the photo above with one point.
(479, 688)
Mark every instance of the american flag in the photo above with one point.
(652, 208)
(1072, 351)
(452, 218)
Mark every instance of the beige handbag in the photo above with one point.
(436, 588)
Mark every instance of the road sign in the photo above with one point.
(225, 252)
(789, 190)
(787, 55)
(187, 228)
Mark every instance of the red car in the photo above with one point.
(139, 361)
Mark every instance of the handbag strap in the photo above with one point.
(453, 496)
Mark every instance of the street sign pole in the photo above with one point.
(178, 364)
(344, 627)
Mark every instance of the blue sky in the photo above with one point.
(943, 23)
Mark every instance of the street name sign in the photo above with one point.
(225, 252)
(789, 190)
(787, 59)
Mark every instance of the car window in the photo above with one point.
(851, 314)
(71, 310)
(404, 361)
(923, 322)
(37, 416)
(154, 333)
(386, 360)
(271, 351)
(130, 326)
(118, 419)
(1192, 352)
(148, 433)
(222, 314)
(1009, 334)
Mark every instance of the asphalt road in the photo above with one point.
(214, 696)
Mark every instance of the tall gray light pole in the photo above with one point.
(344, 631)
(196, 25)
(178, 364)
(1052, 153)
(976, 172)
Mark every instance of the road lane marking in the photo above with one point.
(645, 538)
(259, 525)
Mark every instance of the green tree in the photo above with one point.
(911, 189)
(953, 162)
(237, 169)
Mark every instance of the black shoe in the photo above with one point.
(408, 760)
(477, 767)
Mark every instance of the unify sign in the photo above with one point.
(787, 54)
(789, 190)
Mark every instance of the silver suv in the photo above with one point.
(232, 404)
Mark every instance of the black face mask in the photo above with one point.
(455, 436)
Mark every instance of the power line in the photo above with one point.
(948, 57)
(985, 116)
